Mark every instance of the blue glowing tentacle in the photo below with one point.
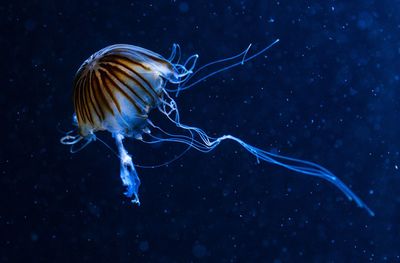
(242, 55)
(300, 166)
(173, 52)
(174, 158)
(70, 139)
(304, 167)
(182, 83)
(166, 163)
(77, 141)
(207, 143)
(184, 71)
(201, 146)
(128, 174)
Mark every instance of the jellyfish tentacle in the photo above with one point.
(70, 139)
(175, 158)
(183, 70)
(166, 163)
(175, 50)
(304, 167)
(206, 143)
(78, 147)
(183, 83)
(76, 141)
(128, 174)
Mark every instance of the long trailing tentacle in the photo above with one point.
(206, 143)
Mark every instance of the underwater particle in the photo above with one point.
(365, 20)
(144, 246)
(199, 250)
(30, 25)
(34, 236)
(184, 7)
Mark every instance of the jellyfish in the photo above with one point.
(117, 87)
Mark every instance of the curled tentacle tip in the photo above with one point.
(370, 212)
(136, 201)
(131, 194)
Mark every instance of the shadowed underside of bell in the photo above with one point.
(116, 88)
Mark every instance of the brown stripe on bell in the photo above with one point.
(117, 87)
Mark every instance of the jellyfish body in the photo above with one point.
(114, 90)
(117, 87)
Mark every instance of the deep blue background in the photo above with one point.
(327, 93)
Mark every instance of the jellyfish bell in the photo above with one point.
(117, 87)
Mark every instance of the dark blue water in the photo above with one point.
(328, 93)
